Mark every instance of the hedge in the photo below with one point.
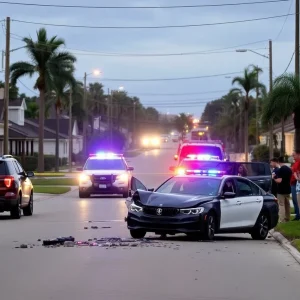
(31, 162)
(262, 153)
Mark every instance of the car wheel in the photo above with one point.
(261, 229)
(209, 227)
(137, 233)
(125, 194)
(28, 210)
(84, 195)
(16, 211)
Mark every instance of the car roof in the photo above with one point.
(223, 177)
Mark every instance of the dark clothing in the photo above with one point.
(274, 190)
(285, 173)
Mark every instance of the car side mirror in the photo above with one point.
(172, 169)
(150, 190)
(30, 174)
(79, 169)
(130, 168)
(176, 157)
(229, 195)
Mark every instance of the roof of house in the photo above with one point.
(288, 126)
(12, 103)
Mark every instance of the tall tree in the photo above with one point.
(13, 90)
(46, 62)
(247, 84)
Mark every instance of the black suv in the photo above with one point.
(16, 189)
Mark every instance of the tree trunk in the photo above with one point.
(241, 132)
(246, 128)
(41, 165)
(297, 129)
(282, 148)
(57, 141)
(234, 129)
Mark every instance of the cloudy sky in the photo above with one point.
(216, 44)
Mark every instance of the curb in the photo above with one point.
(285, 243)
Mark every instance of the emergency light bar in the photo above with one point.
(203, 157)
(105, 155)
(182, 171)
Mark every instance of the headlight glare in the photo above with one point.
(122, 177)
(192, 211)
(135, 208)
(84, 178)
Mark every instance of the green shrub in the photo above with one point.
(261, 153)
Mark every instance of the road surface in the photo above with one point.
(232, 268)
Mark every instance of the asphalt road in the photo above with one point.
(234, 267)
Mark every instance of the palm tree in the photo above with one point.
(61, 82)
(282, 103)
(46, 62)
(246, 84)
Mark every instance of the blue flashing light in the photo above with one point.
(105, 155)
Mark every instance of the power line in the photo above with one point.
(116, 54)
(177, 94)
(292, 1)
(143, 7)
(152, 27)
(167, 79)
(27, 87)
(289, 63)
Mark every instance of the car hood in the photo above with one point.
(104, 172)
(169, 200)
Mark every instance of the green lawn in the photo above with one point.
(292, 211)
(55, 181)
(56, 190)
(291, 230)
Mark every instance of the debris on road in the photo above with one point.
(94, 227)
(23, 246)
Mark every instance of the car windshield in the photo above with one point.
(226, 167)
(201, 150)
(191, 186)
(104, 164)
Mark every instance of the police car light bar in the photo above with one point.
(203, 157)
(104, 155)
(207, 172)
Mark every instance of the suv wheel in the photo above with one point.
(16, 211)
(83, 195)
(28, 210)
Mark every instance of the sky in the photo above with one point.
(94, 47)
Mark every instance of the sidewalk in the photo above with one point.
(42, 196)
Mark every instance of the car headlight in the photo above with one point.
(145, 142)
(135, 208)
(192, 211)
(84, 178)
(122, 177)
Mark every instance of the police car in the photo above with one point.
(201, 206)
(105, 173)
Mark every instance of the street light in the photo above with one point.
(270, 58)
(96, 72)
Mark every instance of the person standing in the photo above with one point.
(275, 168)
(283, 179)
(295, 170)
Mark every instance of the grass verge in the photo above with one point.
(56, 190)
(55, 181)
(291, 230)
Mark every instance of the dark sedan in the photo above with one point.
(201, 206)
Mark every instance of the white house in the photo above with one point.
(23, 133)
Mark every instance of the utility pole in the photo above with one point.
(133, 128)
(271, 147)
(257, 108)
(6, 87)
(84, 127)
(297, 39)
(70, 132)
(111, 120)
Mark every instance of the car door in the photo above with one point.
(251, 201)
(259, 173)
(135, 185)
(25, 183)
(231, 209)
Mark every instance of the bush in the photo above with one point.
(31, 162)
(261, 153)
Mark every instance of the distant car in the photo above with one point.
(151, 142)
(164, 138)
(201, 206)
(16, 189)
(105, 173)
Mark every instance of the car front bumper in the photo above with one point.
(110, 188)
(178, 224)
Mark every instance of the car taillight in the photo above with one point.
(8, 181)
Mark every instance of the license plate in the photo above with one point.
(102, 186)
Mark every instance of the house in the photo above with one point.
(23, 133)
(289, 130)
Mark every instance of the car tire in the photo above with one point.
(125, 194)
(261, 228)
(16, 211)
(84, 195)
(209, 227)
(137, 233)
(28, 210)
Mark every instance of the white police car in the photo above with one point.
(105, 173)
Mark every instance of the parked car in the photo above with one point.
(16, 189)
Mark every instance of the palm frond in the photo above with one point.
(20, 69)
